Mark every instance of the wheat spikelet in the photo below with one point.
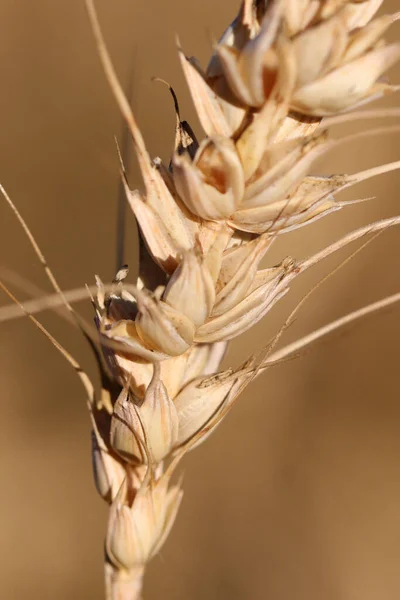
(282, 75)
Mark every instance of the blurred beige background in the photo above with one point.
(297, 495)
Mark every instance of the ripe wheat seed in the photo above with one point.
(284, 73)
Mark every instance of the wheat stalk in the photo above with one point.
(283, 74)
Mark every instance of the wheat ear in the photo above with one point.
(284, 73)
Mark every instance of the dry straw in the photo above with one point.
(283, 74)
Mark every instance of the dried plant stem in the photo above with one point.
(121, 585)
(298, 345)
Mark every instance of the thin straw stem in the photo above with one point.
(307, 340)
